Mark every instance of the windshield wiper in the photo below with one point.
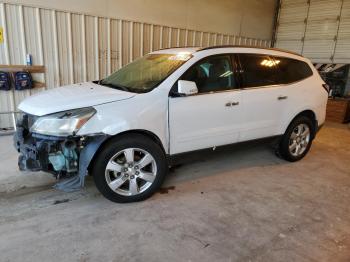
(124, 88)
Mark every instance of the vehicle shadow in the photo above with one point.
(222, 160)
(188, 167)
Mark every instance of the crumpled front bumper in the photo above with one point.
(34, 152)
(64, 157)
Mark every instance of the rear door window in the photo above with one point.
(258, 70)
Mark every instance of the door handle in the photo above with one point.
(282, 97)
(228, 104)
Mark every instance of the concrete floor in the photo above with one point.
(242, 204)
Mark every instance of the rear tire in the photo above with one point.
(129, 168)
(297, 140)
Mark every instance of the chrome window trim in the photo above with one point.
(245, 88)
(213, 92)
(279, 85)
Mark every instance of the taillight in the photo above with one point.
(326, 87)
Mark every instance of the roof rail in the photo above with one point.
(246, 46)
(178, 47)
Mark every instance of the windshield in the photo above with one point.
(145, 73)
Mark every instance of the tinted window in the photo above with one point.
(291, 70)
(212, 74)
(258, 70)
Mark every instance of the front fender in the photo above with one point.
(143, 112)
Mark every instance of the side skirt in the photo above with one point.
(177, 159)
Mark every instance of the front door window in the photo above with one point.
(212, 74)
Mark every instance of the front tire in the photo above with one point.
(297, 140)
(129, 168)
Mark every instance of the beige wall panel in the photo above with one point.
(252, 18)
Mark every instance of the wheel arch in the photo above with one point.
(309, 114)
(142, 132)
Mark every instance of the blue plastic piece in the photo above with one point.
(64, 161)
(58, 161)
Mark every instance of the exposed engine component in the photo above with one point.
(65, 159)
(59, 156)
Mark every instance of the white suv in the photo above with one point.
(125, 129)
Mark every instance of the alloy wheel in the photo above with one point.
(131, 171)
(299, 140)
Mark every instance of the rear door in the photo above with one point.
(264, 100)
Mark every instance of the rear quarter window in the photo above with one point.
(291, 70)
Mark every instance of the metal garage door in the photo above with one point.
(318, 29)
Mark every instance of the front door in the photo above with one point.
(213, 117)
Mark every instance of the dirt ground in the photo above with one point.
(241, 204)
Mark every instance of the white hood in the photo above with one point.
(71, 97)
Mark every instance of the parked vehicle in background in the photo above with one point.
(124, 129)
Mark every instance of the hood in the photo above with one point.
(71, 97)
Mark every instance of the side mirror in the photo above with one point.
(187, 87)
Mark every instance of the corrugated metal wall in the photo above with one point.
(77, 47)
(318, 29)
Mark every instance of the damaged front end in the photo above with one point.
(67, 158)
